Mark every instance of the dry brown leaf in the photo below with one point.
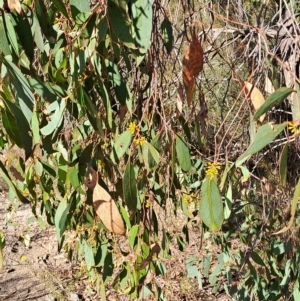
(14, 5)
(104, 205)
(192, 64)
(256, 97)
(269, 88)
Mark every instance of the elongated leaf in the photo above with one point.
(97, 65)
(24, 95)
(11, 127)
(119, 84)
(142, 21)
(121, 145)
(61, 7)
(183, 154)
(10, 31)
(11, 185)
(273, 100)
(4, 45)
(42, 88)
(60, 218)
(44, 21)
(56, 118)
(120, 25)
(130, 188)
(211, 205)
(22, 126)
(88, 255)
(296, 104)
(263, 137)
(23, 30)
(153, 154)
(132, 235)
(63, 215)
(293, 209)
(79, 6)
(283, 164)
(167, 32)
(256, 97)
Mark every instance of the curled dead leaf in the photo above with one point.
(192, 65)
(155, 249)
(256, 98)
(104, 205)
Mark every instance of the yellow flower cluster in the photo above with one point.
(294, 127)
(148, 204)
(139, 141)
(188, 198)
(132, 128)
(212, 169)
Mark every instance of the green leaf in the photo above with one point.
(35, 128)
(79, 6)
(88, 255)
(263, 137)
(142, 21)
(11, 35)
(4, 45)
(38, 36)
(119, 84)
(61, 7)
(60, 218)
(273, 100)
(43, 89)
(132, 235)
(11, 127)
(12, 187)
(130, 188)
(45, 22)
(183, 154)
(121, 145)
(154, 150)
(2, 245)
(24, 95)
(120, 25)
(256, 258)
(228, 202)
(56, 118)
(296, 104)
(23, 30)
(293, 209)
(296, 290)
(23, 126)
(211, 205)
(167, 32)
(63, 215)
(97, 65)
(283, 164)
(125, 216)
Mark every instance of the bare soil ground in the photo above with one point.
(39, 272)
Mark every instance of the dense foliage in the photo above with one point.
(157, 108)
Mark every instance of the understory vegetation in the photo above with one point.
(126, 111)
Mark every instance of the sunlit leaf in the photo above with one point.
(56, 117)
(167, 31)
(20, 83)
(142, 21)
(273, 100)
(183, 154)
(263, 137)
(283, 164)
(130, 188)
(256, 97)
(211, 205)
(293, 210)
